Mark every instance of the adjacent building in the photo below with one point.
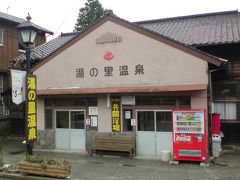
(11, 47)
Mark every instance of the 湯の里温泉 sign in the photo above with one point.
(31, 108)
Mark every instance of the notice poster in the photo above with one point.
(116, 111)
(18, 86)
(94, 121)
(31, 109)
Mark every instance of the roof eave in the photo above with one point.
(111, 17)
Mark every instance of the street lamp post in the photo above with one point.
(28, 32)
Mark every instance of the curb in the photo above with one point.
(22, 177)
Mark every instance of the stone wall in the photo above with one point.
(45, 139)
(90, 136)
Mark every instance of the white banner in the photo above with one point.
(18, 86)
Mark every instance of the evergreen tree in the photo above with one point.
(92, 11)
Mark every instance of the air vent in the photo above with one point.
(195, 153)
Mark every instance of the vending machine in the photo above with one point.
(190, 135)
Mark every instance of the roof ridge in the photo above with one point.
(6, 14)
(70, 33)
(188, 16)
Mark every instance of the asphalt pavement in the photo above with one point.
(104, 167)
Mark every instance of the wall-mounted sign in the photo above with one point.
(128, 100)
(116, 111)
(88, 122)
(110, 71)
(108, 38)
(93, 111)
(94, 121)
(127, 114)
(31, 108)
(18, 86)
(108, 56)
(133, 122)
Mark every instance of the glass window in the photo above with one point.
(156, 100)
(127, 116)
(77, 120)
(48, 118)
(164, 121)
(62, 119)
(1, 82)
(224, 91)
(49, 102)
(226, 110)
(185, 101)
(65, 102)
(145, 120)
(1, 37)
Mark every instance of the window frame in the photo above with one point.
(2, 37)
(230, 99)
(69, 120)
(1, 83)
(155, 120)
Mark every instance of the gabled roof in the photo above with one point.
(17, 20)
(43, 51)
(47, 51)
(200, 29)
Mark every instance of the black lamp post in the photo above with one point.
(28, 32)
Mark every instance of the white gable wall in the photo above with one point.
(163, 64)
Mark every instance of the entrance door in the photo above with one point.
(70, 130)
(154, 132)
(146, 133)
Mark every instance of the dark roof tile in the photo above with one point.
(202, 29)
(46, 49)
(18, 20)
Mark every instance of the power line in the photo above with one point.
(66, 17)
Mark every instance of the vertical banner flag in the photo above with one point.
(116, 111)
(31, 108)
(18, 86)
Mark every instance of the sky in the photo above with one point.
(60, 16)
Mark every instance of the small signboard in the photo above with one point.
(128, 100)
(93, 111)
(94, 122)
(116, 111)
(133, 122)
(31, 108)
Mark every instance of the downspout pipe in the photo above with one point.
(211, 102)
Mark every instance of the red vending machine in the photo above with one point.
(189, 135)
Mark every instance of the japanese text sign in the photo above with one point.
(116, 111)
(31, 108)
(18, 86)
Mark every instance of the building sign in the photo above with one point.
(92, 110)
(128, 100)
(94, 121)
(31, 108)
(18, 86)
(116, 111)
(109, 71)
(108, 56)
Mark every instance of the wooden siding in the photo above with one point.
(10, 49)
(234, 69)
